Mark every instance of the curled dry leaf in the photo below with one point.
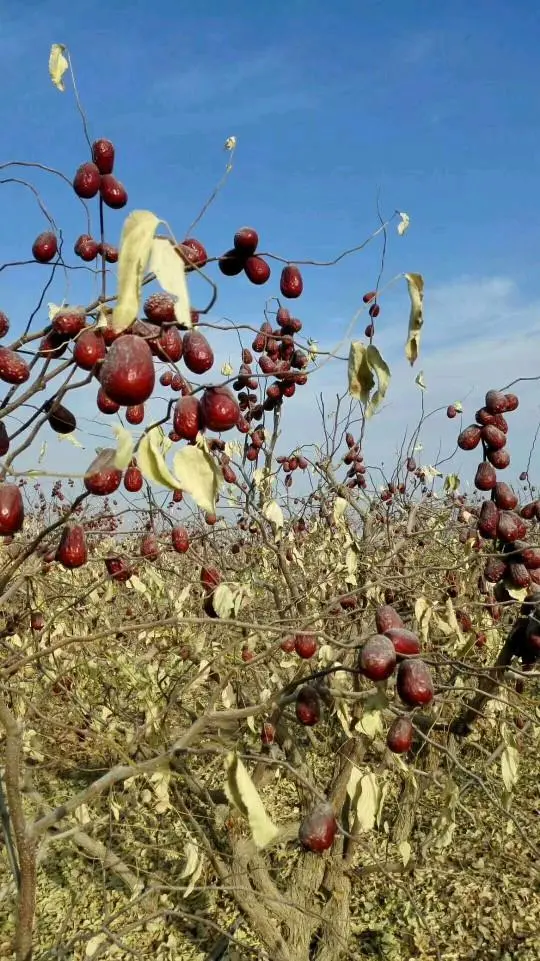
(415, 283)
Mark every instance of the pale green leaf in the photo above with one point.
(451, 483)
(405, 851)
(170, 272)
(223, 601)
(419, 381)
(124, 446)
(404, 224)
(198, 475)
(509, 766)
(135, 248)
(58, 64)
(273, 513)
(243, 794)
(340, 506)
(152, 463)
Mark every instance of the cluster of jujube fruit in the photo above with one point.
(242, 257)
(394, 649)
(374, 311)
(515, 563)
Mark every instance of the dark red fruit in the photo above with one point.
(70, 322)
(369, 331)
(488, 519)
(103, 155)
(110, 253)
(386, 617)
(451, 412)
(504, 496)
(159, 308)
(499, 458)
(414, 683)
(150, 547)
(13, 367)
(288, 645)
(133, 480)
(305, 645)
(113, 193)
(60, 418)
(291, 283)
(496, 402)
(188, 419)
(405, 642)
(493, 437)
(4, 324)
(118, 568)
(400, 735)
(268, 733)
(193, 253)
(367, 298)
(86, 248)
(105, 404)
(318, 829)
(102, 477)
(4, 439)
(135, 414)
(72, 551)
(169, 345)
(166, 378)
(37, 621)
(219, 408)
(485, 477)
(198, 355)
(257, 270)
(127, 374)
(512, 402)
(374, 310)
(180, 539)
(377, 658)
(210, 578)
(246, 241)
(52, 345)
(89, 349)
(231, 263)
(11, 509)
(308, 706)
(531, 557)
(469, 437)
(45, 247)
(510, 527)
(86, 181)
(519, 575)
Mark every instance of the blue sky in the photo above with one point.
(430, 107)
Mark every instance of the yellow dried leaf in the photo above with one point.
(242, 792)
(273, 513)
(58, 64)
(124, 447)
(367, 368)
(152, 463)
(198, 475)
(223, 601)
(135, 247)
(170, 273)
(415, 283)
(361, 380)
